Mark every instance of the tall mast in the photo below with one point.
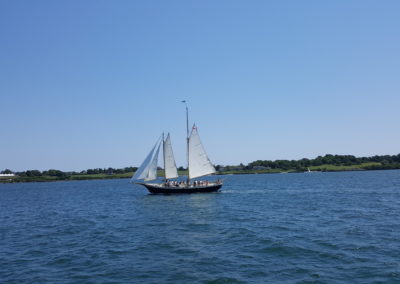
(163, 144)
(187, 144)
(187, 140)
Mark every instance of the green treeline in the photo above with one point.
(53, 175)
(376, 162)
(321, 163)
(61, 174)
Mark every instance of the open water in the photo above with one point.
(277, 228)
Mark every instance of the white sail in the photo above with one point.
(143, 171)
(169, 161)
(199, 163)
(152, 173)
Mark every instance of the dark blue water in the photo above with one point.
(316, 227)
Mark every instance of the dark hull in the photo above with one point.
(173, 190)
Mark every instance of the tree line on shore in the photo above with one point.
(381, 162)
(385, 161)
(61, 174)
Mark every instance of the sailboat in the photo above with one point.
(197, 161)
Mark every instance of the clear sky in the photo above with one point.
(88, 84)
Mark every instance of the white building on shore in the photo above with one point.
(7, 175)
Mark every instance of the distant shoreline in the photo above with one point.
(327, 163)
(18, 179)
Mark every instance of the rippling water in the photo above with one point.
(315, 227)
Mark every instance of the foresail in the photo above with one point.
(199, 163)
(169, 161)
(152, 172)
(143, 171)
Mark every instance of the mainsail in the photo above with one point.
(199, 163)
(148, 169)
(169, 161)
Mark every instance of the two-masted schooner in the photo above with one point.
(197, 161)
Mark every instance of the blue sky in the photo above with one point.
(87, 84)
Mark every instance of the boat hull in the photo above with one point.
(159, 189)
